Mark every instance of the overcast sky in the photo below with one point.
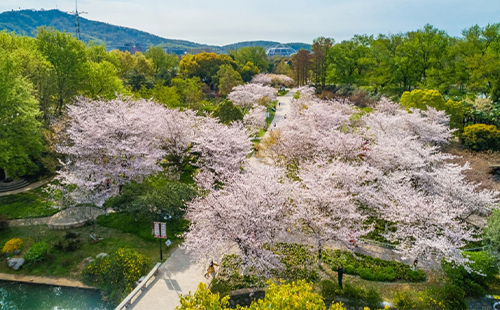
(222, 22)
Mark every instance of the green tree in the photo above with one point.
(205, 66)
(319, 50)
(227, 112)
(254, 54)
(228, 78)
(20, 137)
(68, 59)
(34, 67)
(164, 65)
(349, 61)
(481, 51)
(102, 81)
(190, 91)
(169, 96)
(248, 71)
(147, 198)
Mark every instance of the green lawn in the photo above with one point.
(142, 227)
(27, 205)
(60, 263)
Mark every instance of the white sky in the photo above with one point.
(220, 22)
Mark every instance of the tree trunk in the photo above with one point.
(319, 253)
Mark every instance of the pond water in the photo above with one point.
(25, 296)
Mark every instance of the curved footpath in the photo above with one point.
(27, 188)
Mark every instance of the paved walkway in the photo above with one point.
(178, 275)
(27, 188)
(65, 219)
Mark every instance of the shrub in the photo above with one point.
(4, 222)
(373, 298)
(328, 289)
(298, 260)
(448, 297)
(12, 245)
(71, 235)
(473, 282)
(117, 273)
(481, 137)
(372, 269)
(404, 301)
(37, 252)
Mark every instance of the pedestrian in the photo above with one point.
(211, 269)
(340, 271)
(274, 124)
(279, 104)
(285, 116)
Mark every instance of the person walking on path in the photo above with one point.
(340, 271)
(211, 269)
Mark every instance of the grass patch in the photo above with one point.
(68, 264)
(282, 92)
(125, 222)
(27, 205)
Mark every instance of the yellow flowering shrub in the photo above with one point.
(12, 245)
(117, 273)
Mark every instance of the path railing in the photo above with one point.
(143, 285)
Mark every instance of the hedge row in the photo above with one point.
(372, 269)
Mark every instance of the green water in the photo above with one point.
(25, 296)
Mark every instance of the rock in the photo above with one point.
(16, 252)
(15, 263)
(88, 260)
(101, 255)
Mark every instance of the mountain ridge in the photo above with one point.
(26, 22)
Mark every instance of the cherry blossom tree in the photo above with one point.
(261, 78)
(118, 140)
(274, 80)
(248, 211)
(281, 80)
(221, 150)
(327, 205)
(255, 119)
(107, 144)
(314, 128)
(244, 99)
(240, 95)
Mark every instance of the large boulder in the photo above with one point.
(15, 263)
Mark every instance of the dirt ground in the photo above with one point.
(480, 164)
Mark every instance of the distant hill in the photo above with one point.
(26, 22)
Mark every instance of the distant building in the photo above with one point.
(132, 48)
(280, 50)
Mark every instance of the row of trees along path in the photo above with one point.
(179, 275)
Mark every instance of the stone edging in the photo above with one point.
(43, 280)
